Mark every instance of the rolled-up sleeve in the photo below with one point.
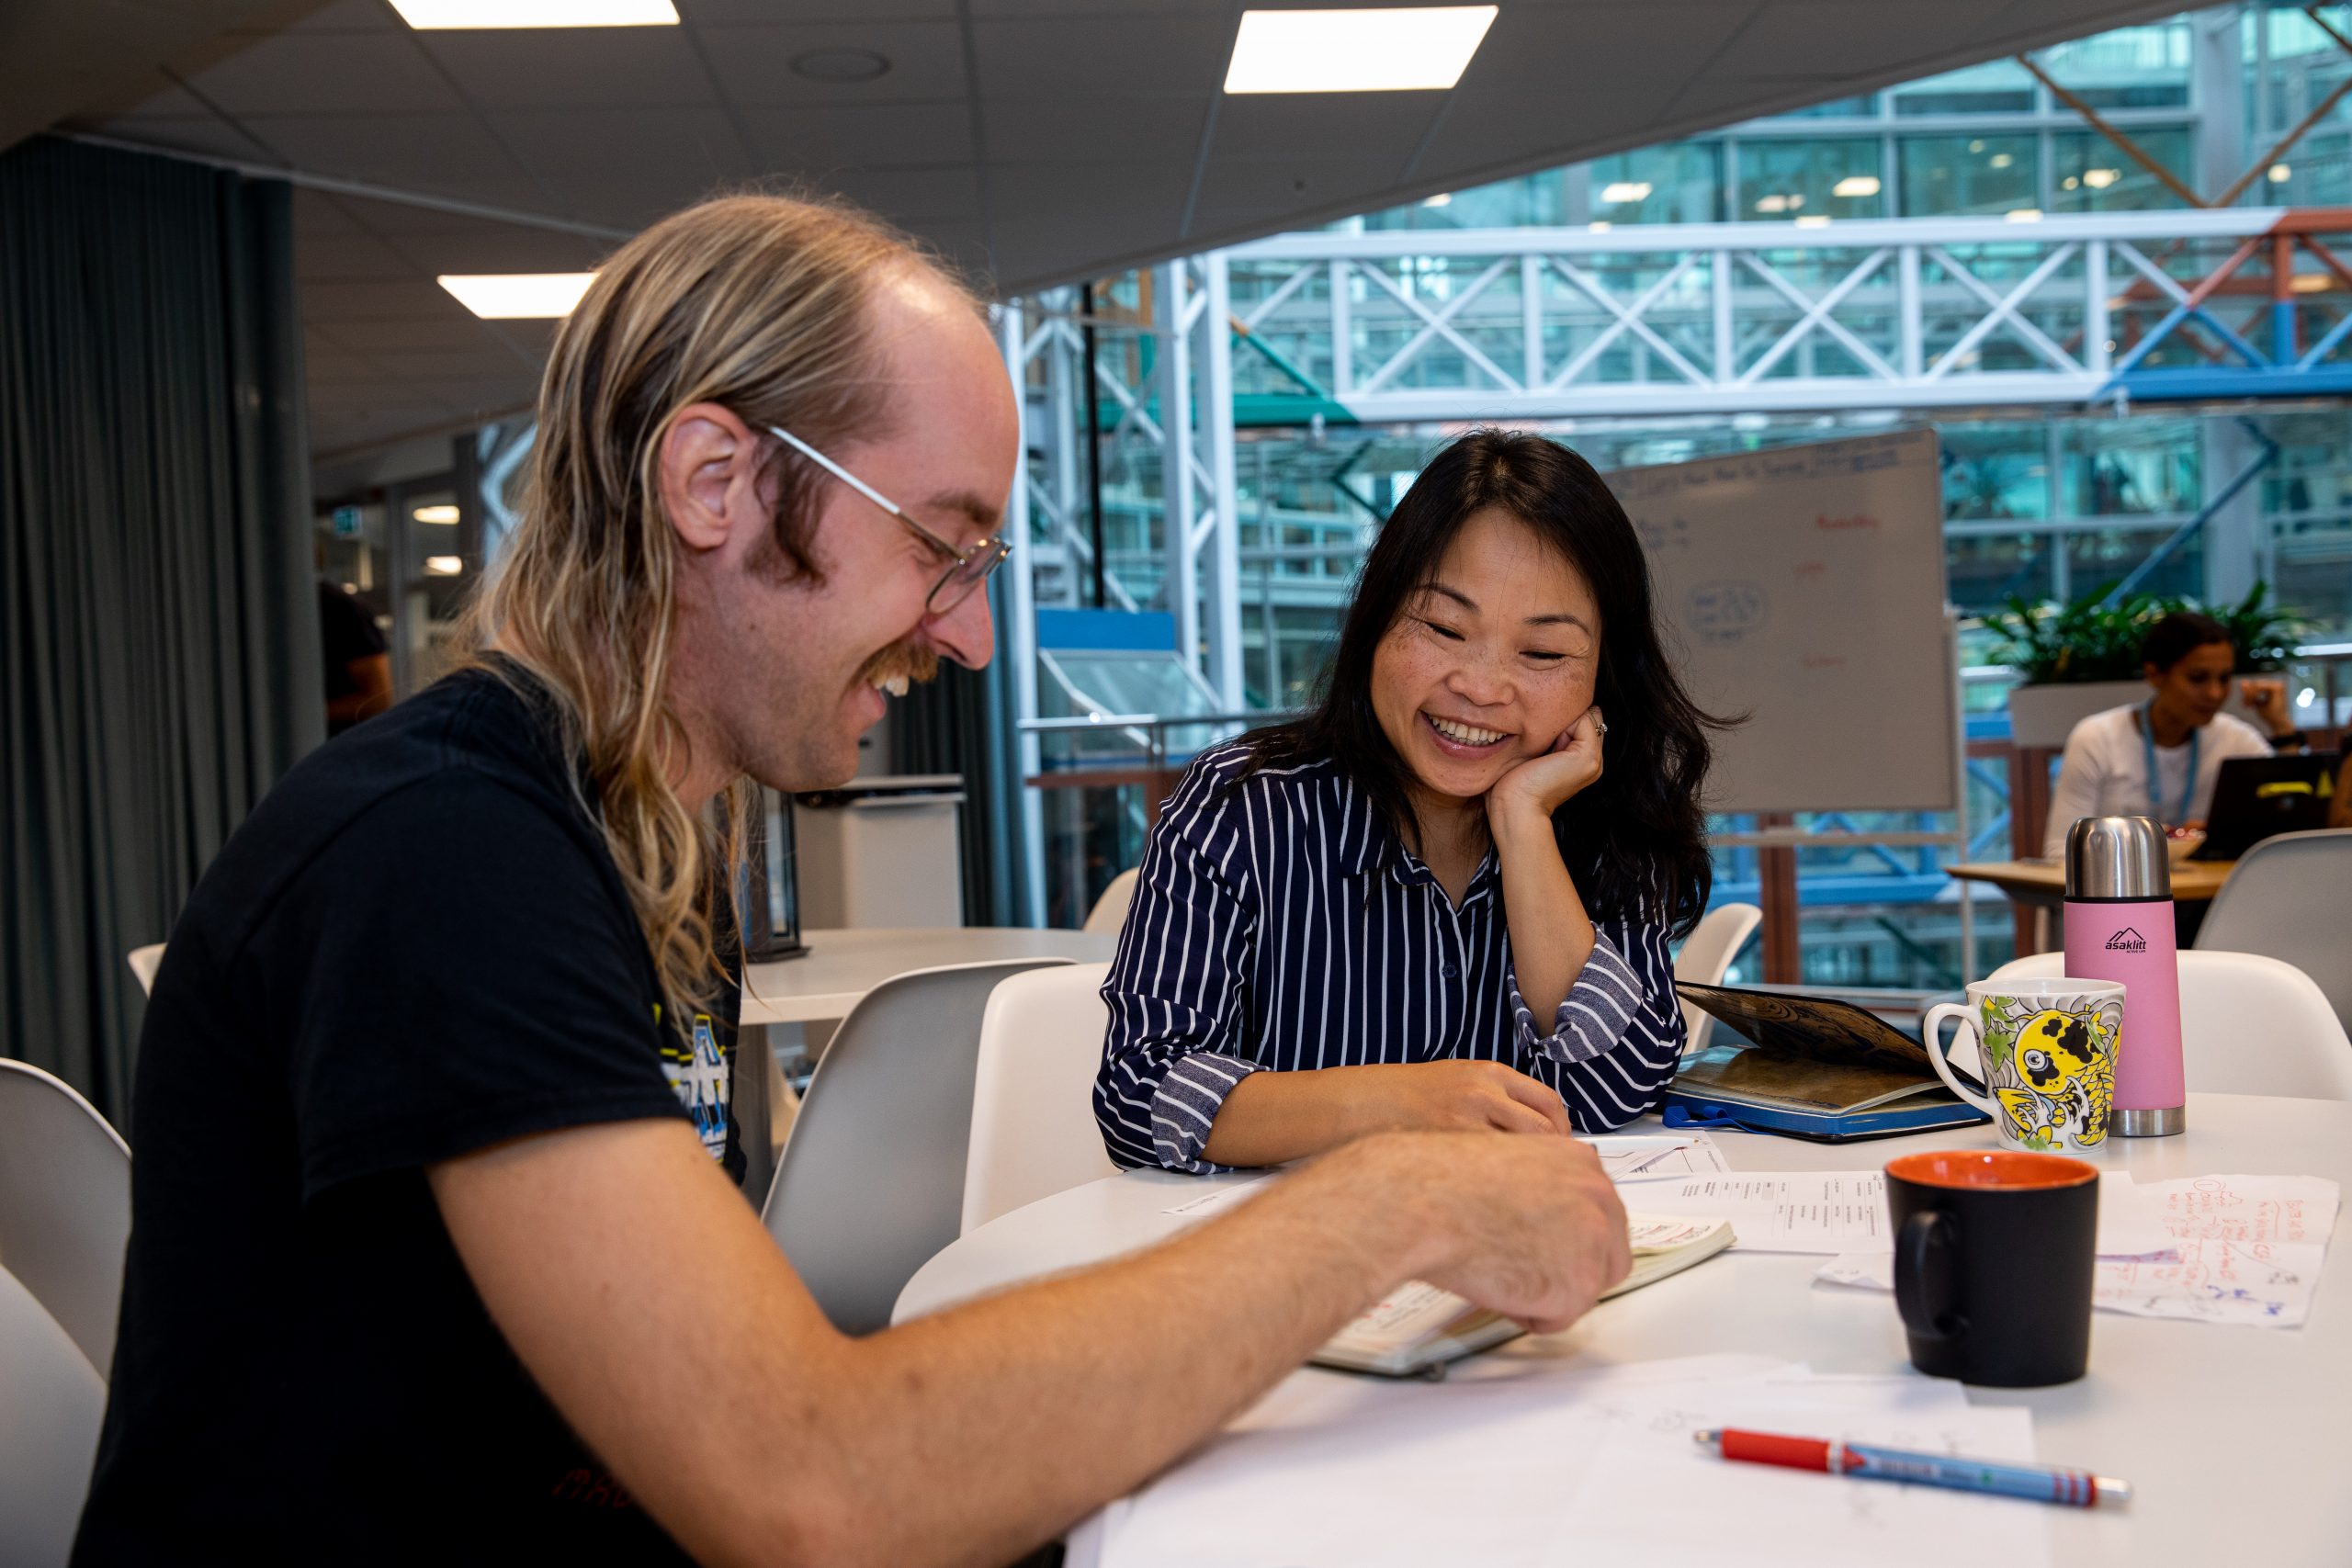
(1618, 1035)
(1175, 990)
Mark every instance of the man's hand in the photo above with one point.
(1541, 785)
(1528, 1227)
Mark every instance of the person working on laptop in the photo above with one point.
(2159, 758)
(435, 1258)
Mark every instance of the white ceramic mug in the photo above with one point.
(2047, 1050)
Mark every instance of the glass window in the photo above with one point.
(1528, 201)
(1984, 570)
(2098, 557)
(1994, 471)
(1947, 176)
(2091, 174)
(1997, 86)
(1863, 107)
(1678, 183)
(2128, 468)
(2125, 68)
(1811, 179)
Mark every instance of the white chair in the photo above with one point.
(64, 1205)
(1110, 912)
(1706, 958)
(2290, 897)
(145, 962)
(51, 1401)
(871, 1183)
(2248, 1024)
(1032, 1097)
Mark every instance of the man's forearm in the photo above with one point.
(972, 1435)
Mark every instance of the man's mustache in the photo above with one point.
(899, 664)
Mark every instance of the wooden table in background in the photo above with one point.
(2040, 885)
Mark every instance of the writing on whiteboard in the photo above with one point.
(1840, 525)
(1726, 612)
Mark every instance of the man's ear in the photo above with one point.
(709, 473)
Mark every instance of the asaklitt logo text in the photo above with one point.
(2127, 940)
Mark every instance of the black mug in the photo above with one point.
(1993, 1251)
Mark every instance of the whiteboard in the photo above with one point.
(1804, 587)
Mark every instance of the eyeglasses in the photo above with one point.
(968, 567)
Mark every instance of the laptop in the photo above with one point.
(2255, 798)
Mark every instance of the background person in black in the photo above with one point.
(431, 1261)
(358, 666)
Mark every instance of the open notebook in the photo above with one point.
(1416, 1328)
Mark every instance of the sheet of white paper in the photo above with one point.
(1216, 1198)
(1649, 1469)
(2259, 1209)
(1342, 1472)
(1816, 1211)
(1657, 1157)
(2242, 1250)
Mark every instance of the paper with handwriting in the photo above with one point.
(1809, 1210)
(2243, 1249)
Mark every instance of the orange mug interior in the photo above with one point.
(2014, 1169)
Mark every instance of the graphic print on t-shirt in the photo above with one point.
(698, 1074)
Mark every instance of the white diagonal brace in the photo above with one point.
(1629, 317)
(1817, 314)
(1439, 323)
(2003, 308)
(1275, 301)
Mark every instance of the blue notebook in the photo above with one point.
(1809, 1067)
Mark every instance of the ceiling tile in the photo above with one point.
(910, 196)
(327, 257)
(808, 138)
(753, 65)
(691, 145)
(1364, 125)
(366, 335)
(527, 250)
(327, 73)
(448, 154)
(599, 67)
(207, 136)
(384, 301)
(1294, 181)
(698, 13)
(1022, 193)
(1182, 55)
(150, 94)
(1092, 129)
(347, 16)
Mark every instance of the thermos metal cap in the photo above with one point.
(2117, 857)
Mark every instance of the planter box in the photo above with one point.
(2045, 715)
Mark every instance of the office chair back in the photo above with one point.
(1033, 1133)
(1110, 912)
(2290, 897)
(64, 1205)
(871, 1183)
(51, 1401)
(1706, 958)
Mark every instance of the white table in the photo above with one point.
(843, 965)
(2236, 1437)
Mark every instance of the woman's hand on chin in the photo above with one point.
(1531, 792)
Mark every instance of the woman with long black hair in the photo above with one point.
(1356, 921)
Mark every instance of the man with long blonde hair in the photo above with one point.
(436, 1253)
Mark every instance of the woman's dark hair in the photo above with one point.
(2180, 634)
(1635, 839)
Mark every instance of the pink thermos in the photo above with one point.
(2119, 927)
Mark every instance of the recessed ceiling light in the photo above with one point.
(1442, 198)
(1855, 186)
(839, 66)
(2099, 179)
(1414, 49)
(436, 16)
(1814, 220)
(435, 514)
(2024, 215)
(503, 295)
(444, 565)
(1625, 190)
(2280, 174)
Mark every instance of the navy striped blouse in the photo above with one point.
(1283, 924)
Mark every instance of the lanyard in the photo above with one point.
(2148, 746)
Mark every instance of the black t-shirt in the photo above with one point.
(417, 946)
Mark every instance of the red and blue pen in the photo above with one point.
(2036, 1483)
